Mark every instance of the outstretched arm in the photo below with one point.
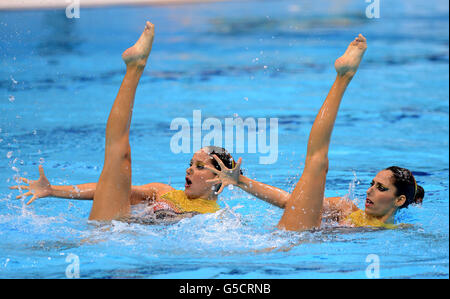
(227, 176)
(42, 188)
(273, 195)
(333, 207)
(270, 194)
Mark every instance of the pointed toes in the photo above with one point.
(149, 26)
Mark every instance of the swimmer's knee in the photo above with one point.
(318, 163)
(127, 153)
(120, 149)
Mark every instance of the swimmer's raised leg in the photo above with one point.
(303, 209)
(112, 195)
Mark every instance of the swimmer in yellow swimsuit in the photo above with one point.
(113, 195)
(392, 189)
(212, 168)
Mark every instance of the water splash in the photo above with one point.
(351, 194)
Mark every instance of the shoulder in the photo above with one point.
(342, 203)
(339, 207)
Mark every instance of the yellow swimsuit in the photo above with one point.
(178, 200)
(359, 218)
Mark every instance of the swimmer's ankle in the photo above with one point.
(136, 65)
(348, 76)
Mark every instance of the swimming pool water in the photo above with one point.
(58, 80)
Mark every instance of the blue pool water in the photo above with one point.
(259, 59)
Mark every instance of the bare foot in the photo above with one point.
(347, 64)
(137, 55)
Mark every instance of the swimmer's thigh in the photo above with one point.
(303, 209)
(113, 191)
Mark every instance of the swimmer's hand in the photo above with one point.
(225, 176)
(40, 188)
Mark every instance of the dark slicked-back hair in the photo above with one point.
(406, 184)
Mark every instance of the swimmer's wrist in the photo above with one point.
(242, 182)
(54, 191)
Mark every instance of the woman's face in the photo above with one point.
(196, 176)
(381, 199)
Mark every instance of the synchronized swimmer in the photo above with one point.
(212, 168)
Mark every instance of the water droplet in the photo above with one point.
(9, 154)
(12, 99)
